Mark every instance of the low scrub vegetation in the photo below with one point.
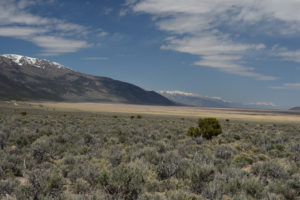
(68, 155)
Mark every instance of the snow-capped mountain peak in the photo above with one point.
(23, 60)
(176, 92)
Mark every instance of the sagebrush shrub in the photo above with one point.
(43, 185)
(253, 187)
(81, 187)
(224, 152)
(168, 166)
(200, 176)
(8, 187)
(269, 169)
(122, 182)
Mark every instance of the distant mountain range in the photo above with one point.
(295, 109)
(197, 100)
(192, 99)
(25, 78)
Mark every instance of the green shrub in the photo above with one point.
(207, 128)
(23, 113)
(194, 132)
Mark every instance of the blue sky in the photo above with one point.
(242, 51)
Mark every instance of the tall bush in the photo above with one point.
(207, 128)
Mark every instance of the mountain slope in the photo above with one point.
(25, 78)
(295, 109)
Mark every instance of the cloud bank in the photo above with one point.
(209, 29)
(53, 35)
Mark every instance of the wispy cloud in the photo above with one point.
(54, 35)
(221, 54)
(107, 10)
(95, 58)
(290, 55)
(288, 86)
(21, 32)
(197, 27)
(102, 34)
(55, 45)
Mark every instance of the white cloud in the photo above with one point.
(102, 34)
(13, 12)
(288, 86)
(217, 53)
(54, 35)
(20, 32)
(107, 10)
(290, 55)
(196, 26)
(54, 45)
(95, 58)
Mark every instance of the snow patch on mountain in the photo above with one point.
(177, 92)
(188, 94)
(22, 60)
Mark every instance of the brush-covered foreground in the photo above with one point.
(72, 155)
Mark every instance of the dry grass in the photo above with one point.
(221, 113)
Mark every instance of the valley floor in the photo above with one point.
(223, 113)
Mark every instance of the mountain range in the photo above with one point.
(25, 78)
(295, 109)
(192, 99)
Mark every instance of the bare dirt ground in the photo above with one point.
(222, 113)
